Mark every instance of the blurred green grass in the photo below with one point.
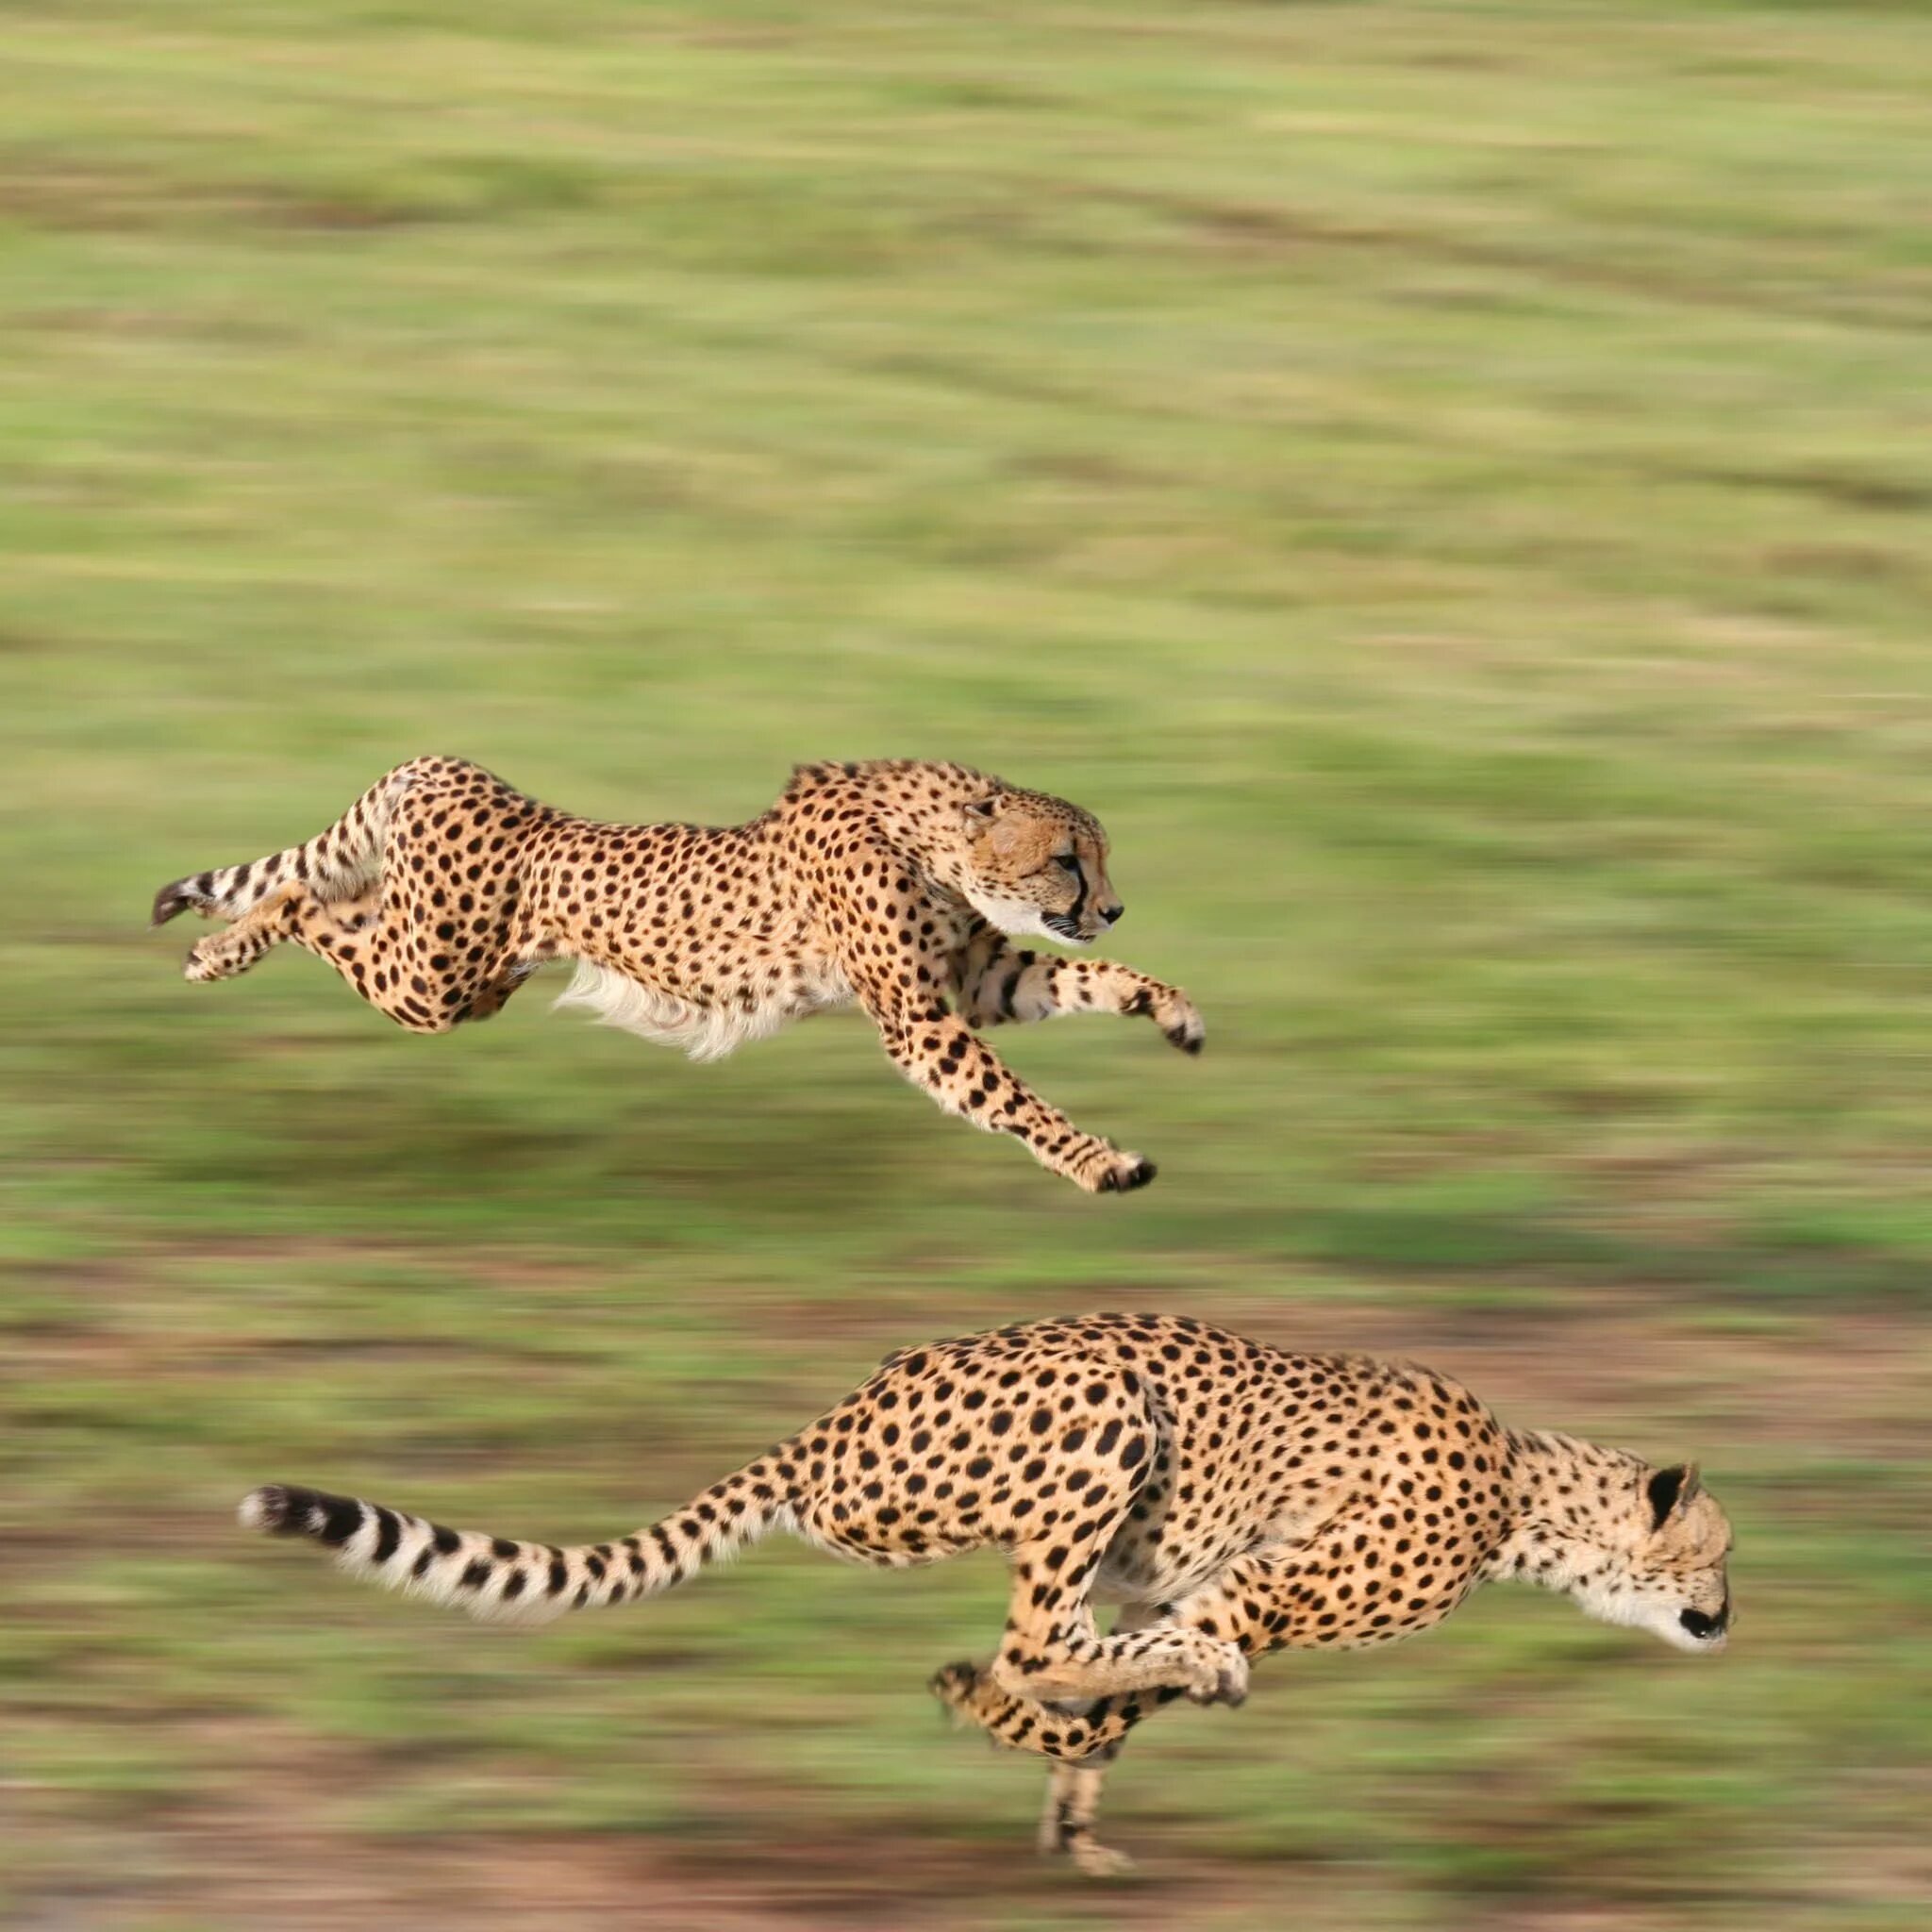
(1446, 484)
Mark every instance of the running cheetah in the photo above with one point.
(894, 883)
(1231, 1498)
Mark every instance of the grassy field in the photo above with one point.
(1447, 484)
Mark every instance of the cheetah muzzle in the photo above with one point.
(897, 885)
(1357, 1502)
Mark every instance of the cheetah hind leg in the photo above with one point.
(230, 952)
(1078, 1754)
(1066, 1826)
(1073, 1790)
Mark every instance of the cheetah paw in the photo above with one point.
(1076, 1843)
(1117, 1173)
(206, 960)
(1180, 1020)
(1099, 1862)
(1226, 1681)
(953, 1683)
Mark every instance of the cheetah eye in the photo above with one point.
(1070, 859)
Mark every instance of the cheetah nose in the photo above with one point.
(1111, 914)
(1700, 1625)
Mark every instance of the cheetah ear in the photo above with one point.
(1668, 1490)
(979, 810)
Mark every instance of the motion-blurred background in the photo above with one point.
(1447, 484)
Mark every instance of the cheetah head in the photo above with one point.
(1661, 1563)
(1037, 865)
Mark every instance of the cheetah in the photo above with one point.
(1231, 1498)
(898, 884)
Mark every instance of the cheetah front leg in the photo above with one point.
(1090, 1733)
(1245, 1613)
(1001, 983)
(1240, 1615)
(1056, 1685)
(901, 981)
(935, 1050)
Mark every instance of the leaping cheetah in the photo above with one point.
(894, 883)
(1233, 1499)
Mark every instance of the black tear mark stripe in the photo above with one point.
(1080, 897)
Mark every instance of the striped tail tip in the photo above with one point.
(266, 1509)
(280, 1509)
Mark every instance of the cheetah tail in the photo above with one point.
(499, 1581)
(338, 863)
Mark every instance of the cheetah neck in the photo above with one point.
(925, 825)
(1570, 1496)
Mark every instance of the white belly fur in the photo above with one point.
(705, 1033)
